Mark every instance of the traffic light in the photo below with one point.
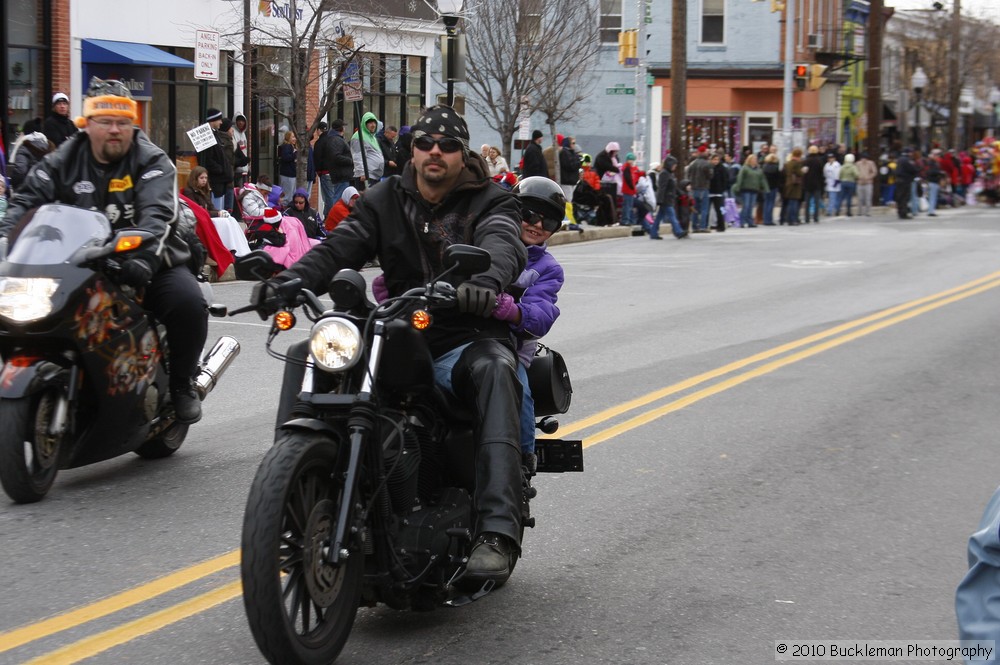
(801, 76)
(627, 48)
(816, 78)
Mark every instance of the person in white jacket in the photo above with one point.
(831, 176)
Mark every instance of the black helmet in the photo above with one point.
(544, 197)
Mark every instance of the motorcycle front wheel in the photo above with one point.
(300, 608)
(29, 455)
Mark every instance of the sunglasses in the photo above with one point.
(445, 143)
(551, 225)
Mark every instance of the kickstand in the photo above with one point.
(459, 601)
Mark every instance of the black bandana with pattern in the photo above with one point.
(442, 120)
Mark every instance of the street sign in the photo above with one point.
(631, 62)
(206, 55)
(619, 89)
(352, 83)
(524, 128)
(202, 137)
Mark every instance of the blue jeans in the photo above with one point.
(847, 190)
(667, 213)
(331, 191)
(628, 209)
(769, 200)
(833, 204)
(888, 194)
(914, 199)
(814, 202)
(749, 200)
(527, 411)
(933, 189)
(701, 208)
(793, 210)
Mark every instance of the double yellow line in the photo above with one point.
(758, 364)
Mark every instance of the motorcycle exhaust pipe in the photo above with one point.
(215, 364)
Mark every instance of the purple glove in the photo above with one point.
(379, 290)
(506, 309)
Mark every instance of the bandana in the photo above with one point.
(443, 120)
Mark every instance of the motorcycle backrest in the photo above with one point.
(467, 259)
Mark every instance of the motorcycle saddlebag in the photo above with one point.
(548, 379)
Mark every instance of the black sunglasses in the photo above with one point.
(551, 225)
(445, 143)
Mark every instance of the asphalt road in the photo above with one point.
(789, 436)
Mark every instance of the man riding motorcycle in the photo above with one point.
(444, 196)
(114, 168)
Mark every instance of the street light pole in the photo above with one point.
(994, 100)
(918, 82)
(449, 14)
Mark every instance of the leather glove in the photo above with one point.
(379, 289)
(136, 272)
(266, 298)
(506, 309)
(475, 299)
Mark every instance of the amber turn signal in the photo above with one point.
(284, 320)
(421, 319)
(125, 243)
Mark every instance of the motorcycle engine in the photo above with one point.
(412, 460)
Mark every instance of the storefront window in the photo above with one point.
(394, 91)
(25, 59)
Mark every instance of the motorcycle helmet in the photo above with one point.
(541, 200)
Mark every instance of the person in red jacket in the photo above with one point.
(341, 208)
(630, 176)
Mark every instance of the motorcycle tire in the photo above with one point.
(165, 444)
(28, 463)
(300, 610)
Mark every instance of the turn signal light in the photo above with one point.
(125, 243)
(284, 320)
(421, 319)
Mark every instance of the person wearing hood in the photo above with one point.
(242, 151)
(443, 196)
(341, 209)
(569, 166)
(300, 209)
(59, 126)
(533, 162)
(368, 171)
(27, 151)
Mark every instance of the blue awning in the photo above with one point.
(129, 53)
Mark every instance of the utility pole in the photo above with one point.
(954, 85)
(787, 107)
(678, 83)
(873, 99)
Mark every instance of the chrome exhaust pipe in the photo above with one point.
(215, 364)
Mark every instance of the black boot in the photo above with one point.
(187, 406)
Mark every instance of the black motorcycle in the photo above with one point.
(84, 374)
(365, 496)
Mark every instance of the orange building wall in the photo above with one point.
(735, 96)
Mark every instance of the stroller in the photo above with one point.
(262, 222)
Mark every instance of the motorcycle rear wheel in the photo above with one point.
(164, 444)
(300, 609)
(29, 458)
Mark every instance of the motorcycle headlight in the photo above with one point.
(335, 344)
(26, 299)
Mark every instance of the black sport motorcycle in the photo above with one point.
(365, 496)
(84, 367)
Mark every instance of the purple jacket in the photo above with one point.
(541, 280)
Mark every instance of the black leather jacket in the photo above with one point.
(138, 190)
(409, 235)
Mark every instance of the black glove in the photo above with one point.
(266, 298)
(475, 299)
(136, 272)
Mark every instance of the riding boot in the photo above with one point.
(487, 373)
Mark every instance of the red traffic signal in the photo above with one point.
(801, 76)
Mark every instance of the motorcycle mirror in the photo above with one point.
(467, 259)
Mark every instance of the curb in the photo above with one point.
(590, 233)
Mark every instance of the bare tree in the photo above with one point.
(502, 59)
(311, 51)
(570, 33)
